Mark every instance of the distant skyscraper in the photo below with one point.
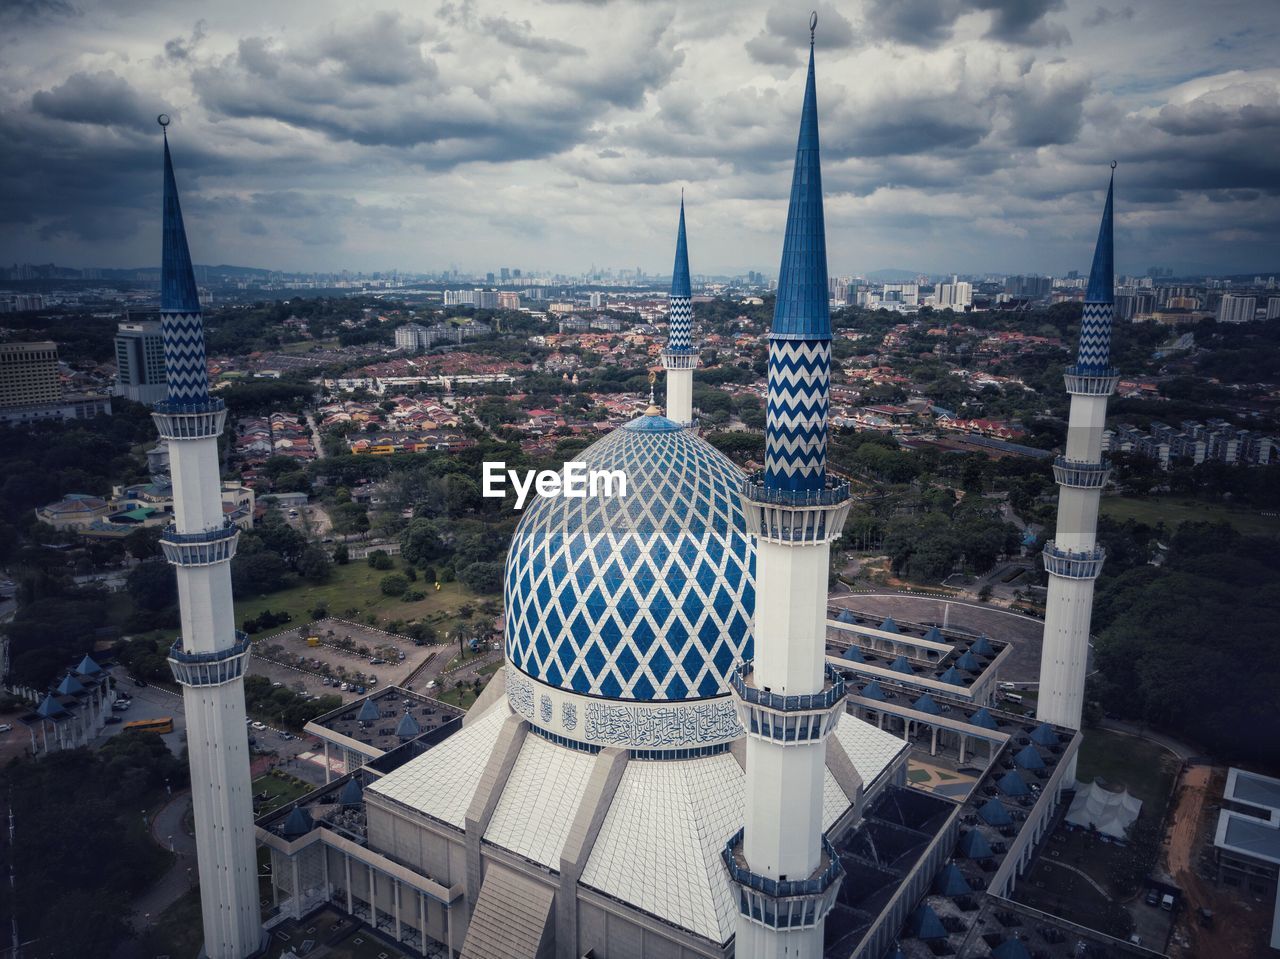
(596, 300)
(1273, 307)
(505, 273)
(140, 362)
(955, 295)
(29, 373)
(488, 278)
(1073, 558)
(1236, 308)
(209, 658)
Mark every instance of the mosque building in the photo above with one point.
(686, 754)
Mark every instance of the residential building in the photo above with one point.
(29, 374)
(140, 362)
(1237, 308)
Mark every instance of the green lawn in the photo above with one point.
(1054, 889)
(1173, 510)
(280, 790)
(355, 587)
(178, 932)
(1142, 767)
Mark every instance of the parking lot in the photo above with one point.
(359, 656)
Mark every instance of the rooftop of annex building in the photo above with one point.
(950, 661)
(383, 720)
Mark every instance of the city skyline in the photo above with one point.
(962, 138)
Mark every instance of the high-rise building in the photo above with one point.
(140, 362)
(29, 374)
(595, 300)
(1273, 307)
(209, 658)
(505, 273)
(954, 295)
(789, 701)
(679, 358)
(1073, 557)
(508, 301)
(1237, 308)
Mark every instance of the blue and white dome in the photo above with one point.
(647, 597)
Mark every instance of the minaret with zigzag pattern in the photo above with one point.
(1073, 558)
(209, 658)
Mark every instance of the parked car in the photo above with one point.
(113, 720)
(5, 727)
(257, 725)
(1153, 897)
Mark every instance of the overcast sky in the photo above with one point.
(958, 135)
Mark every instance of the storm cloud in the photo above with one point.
(966, 135)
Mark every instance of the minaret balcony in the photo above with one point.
(1084, 382)
(200, 549)
(1080, 475)
(784, 903)
(792, 720)
(190, 421)
(679, 359)
(795, 517)
(1073, 564)
(214, 668)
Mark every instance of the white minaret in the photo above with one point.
(679, 358)
(1073, 558)
(787, 873)
(209, 658)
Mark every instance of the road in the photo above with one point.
(315, 436)
(168, 830)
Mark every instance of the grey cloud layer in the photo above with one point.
(957, 134)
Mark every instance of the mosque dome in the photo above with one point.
(646, 597)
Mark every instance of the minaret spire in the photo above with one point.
(1073, 558)
(208, 660)
(1099, 301)
(787, 698)
(800, 341)
(182, 327)
(679, 358)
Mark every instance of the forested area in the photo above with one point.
(82, 851)
(1191, 646)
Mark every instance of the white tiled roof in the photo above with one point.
(869, 749)
(659, 847)
(834, 801)
(540, 801)
(442, 780)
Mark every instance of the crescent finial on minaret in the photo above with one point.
(813, 25)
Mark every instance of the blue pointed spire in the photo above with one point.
(680, 302)
(800, 340)
(802, 310)
(680, 285)
(181, 326)
(1094, 356)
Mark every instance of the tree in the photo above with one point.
(482, 577)
(341, 555)
(393, 584)
(420, 543)
(380, 559)
(153, 585)
(257, 573)
(314, 565)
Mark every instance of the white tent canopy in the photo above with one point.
(1109, 813)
